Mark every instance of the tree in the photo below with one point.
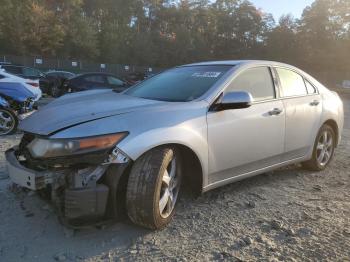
(14, 24)
(282, 42)
(165, 33)
(324, 32)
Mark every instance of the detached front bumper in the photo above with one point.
(23, 176)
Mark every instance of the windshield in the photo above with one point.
(179, 84)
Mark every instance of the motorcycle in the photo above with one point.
(16, 103)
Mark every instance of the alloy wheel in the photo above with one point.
(7, 122)
(325, 147)
(169, 190)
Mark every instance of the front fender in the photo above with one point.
(192, 138)
(171, 124)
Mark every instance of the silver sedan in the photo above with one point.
(99, 153)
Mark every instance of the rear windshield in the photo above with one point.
(179, 84)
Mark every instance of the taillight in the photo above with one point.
(33, 84)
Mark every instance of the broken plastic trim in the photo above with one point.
(117, 157)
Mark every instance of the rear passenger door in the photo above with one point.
(303, 111)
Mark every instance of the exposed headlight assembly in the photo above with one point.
(46, 148)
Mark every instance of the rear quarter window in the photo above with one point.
(292, 84)
(310, 88)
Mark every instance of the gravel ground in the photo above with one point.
(285, 215)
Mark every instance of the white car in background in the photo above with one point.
(31, 85)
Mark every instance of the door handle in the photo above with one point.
(315, 103)
(275, 112)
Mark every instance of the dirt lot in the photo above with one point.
(286, 215)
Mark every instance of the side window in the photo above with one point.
(292, 83)
(310, 88)
(257, 81)
(2, 77)
(95, 79)
(114, 81)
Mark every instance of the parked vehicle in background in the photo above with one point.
(64, 75)
(55, 80)
(31, 85)
(206, 125)
(91, 81)
(134, 78)
(23, 71)
(346, 84)
(47, 82)
(137, 77)
(4, 63)
(16, 103)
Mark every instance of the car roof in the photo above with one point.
(12, 75)
(14, 65)
(96, 73)
(92, 74)
(3, 72)
(52, 72)
(240, 62)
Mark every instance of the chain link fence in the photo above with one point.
(77, 66)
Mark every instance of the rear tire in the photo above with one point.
(323, 151)
(55, 92)
(55, 88)
(153, 188)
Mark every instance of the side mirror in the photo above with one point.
(234, 100)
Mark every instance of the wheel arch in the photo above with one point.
(193, 167)
(333, 124)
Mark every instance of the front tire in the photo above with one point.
(323, 151)
(153, 188)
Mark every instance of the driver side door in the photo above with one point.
(242, 141)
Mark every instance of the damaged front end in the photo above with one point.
(84, 178)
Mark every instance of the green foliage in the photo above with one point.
(170, 32)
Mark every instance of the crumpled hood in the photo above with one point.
(74, 109)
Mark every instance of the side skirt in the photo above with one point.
(251, 174)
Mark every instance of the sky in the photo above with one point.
(281, 7)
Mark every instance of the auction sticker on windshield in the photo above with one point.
(207, 74)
